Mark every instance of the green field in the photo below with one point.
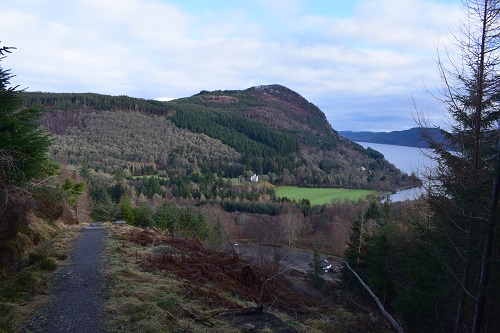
(321, 196)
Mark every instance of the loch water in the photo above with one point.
(407, 159)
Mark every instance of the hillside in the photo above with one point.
(150, 281)
(410, 138)
(267, 130)
(178, 285)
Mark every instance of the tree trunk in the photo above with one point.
(459, 319)
(480, 88)
(488, 246)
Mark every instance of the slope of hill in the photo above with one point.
(268, 130)
(178, 285)
(411, 137)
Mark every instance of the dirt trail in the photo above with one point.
(79, 289)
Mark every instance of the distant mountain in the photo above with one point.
(411, 137)
(268, 130)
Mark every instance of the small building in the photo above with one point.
(254, 178)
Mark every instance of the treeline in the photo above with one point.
(228, 133)
(244, 212)
(91, 101)
(291, 113)
(201, 186)
(250, 207)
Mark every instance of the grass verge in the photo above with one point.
(25, 292)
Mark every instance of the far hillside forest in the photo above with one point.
(209, 168)
(230, 133)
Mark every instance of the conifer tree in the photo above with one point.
(23, 161)
(356, 246)
(23, 144)
(463, 208)
(316, 270)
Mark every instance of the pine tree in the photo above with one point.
(316, 271)
(126, 209)
(463, 208)
(356, 247)
(23, 144)
(23, 158)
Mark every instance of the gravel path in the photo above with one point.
(79, 289)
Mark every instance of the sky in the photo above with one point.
(364, 63)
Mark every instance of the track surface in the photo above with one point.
(79, 289)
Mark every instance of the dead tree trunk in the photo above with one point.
(394, 323)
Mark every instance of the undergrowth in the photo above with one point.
(167, 284)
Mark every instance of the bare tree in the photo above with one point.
(292, 222)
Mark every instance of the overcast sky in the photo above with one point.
(360, 61)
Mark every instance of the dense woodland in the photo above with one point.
(182, 168)
(260, 130)
(133, 141)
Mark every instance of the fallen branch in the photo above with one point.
(202, 319)
(375, 298)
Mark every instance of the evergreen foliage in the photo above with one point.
(24, 163)
(90, 101)
(465, 211)
(316, 270)
(23, 144)
(356, 247)
(440, 260)
(264, 149)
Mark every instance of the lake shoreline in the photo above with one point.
(411, 160)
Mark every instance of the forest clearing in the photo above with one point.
(322, 196)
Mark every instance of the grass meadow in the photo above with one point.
(321, 196)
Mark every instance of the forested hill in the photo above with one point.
(268, 130)
(411, 137)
